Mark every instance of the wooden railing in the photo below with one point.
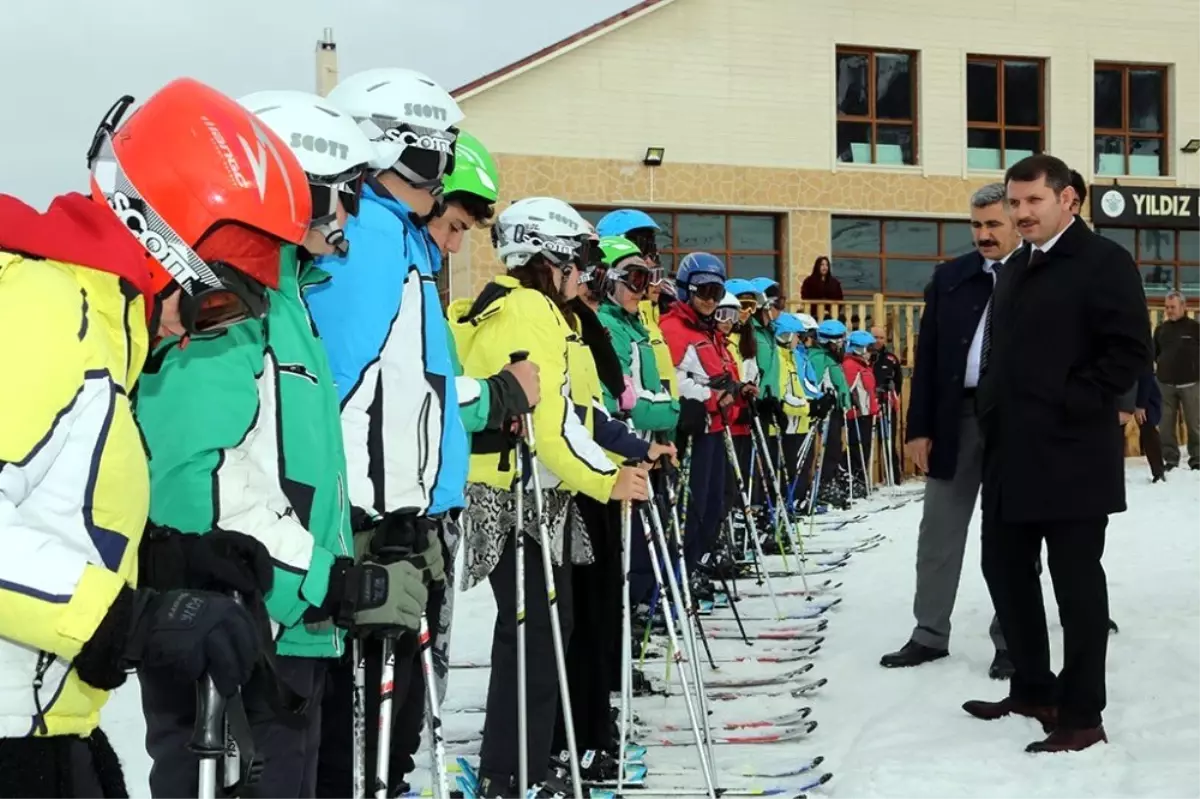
(901, 319)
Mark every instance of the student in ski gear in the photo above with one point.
(826, 360)
(265, 458)
(710, 394)
(641, 229)
(743, 345)
(864, 403)
(889, 380)
(543, 243)
(793, 393)
(155, 250)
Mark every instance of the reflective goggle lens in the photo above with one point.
(725, 315)
(219, 309)
(709, 291)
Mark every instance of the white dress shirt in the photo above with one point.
(971, 375)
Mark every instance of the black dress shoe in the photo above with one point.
(912, 654)
(1002, 667)
(1112, 627)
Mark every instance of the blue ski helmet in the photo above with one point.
(623, 220)
(697, 268)
(738, 286)
(859, 341)
(830, 330)
(788, 324)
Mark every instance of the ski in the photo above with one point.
(754, 593)
(750, 682)
(795, 693)
(792, 791)
(773, 656)
(789, 720)
(733, 634)
(782, 735)
(752, 772)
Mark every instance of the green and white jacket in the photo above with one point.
(244, 433)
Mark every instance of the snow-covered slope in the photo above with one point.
(901, 733)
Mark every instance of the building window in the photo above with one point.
(876, 106)
(749, 243)
(1167, 259)
(1005, 110)
(893, 256)
(1130, 119)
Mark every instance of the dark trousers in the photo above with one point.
(858, 435)
(61, 767)
(335, 772)
(641, 573)
(289, 751)
(800, 478)
(596, 591)
(741, 446)
(833, 457)
(498, 755)
(706, 508)
(1151, 445)
(1010, 566)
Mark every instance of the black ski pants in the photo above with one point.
(707, 483)
(61, 767)
(498, 755)
(858, 435)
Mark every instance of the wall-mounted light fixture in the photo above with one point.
(655, 155)
(1193, 146)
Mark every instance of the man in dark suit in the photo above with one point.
(943, 433)
(1068, 333)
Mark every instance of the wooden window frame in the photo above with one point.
(1164, 156)
(1175, 263)
(871, 119)
(726, 254)
(941, 256)
(1001, 125)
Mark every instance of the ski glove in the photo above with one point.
(821, 406)
(693, 417)
(221, 560)
(403, 535)
(372, 597)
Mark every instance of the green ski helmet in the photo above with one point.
(474, 170)
(617, 248)
(624, 263)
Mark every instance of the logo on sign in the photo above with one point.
(1113, 203)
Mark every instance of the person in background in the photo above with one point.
(864, 405)
(821, 285)
(889, 380)
(943, 432)
(1053, 459)
(826, 360)
(1177, 360)
(1081, 193)
(1143, 404)
(743, 346)
(793, 396)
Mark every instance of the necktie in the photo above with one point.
(985, 348)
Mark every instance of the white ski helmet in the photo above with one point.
(334, 153)
(541, 226)
(728, 308)
(807, 323)
(410, 118)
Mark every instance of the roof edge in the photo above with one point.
(550, 52)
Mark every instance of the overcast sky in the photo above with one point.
(66, 61)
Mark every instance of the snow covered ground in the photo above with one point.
(901, 733)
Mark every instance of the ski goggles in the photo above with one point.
(725, 314)
(749, 304)
(657, 274)
(216, 309)
(420, 155)
(708, 291)
(327, 191)
(634, 275)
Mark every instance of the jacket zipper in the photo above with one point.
(423, 441)
(45, 660)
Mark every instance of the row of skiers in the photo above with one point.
(237, 432)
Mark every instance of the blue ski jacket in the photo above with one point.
(389, 349)
(808, 375)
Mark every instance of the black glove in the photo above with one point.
(221, 560)
(190, 633)
(693, 417)
(821, 406)
(771, 409)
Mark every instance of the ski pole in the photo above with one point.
(522, 664)
(677, 655)
(862, 458)
(849, 461)
(437, 740)
(626, 642)
(387, 686)
(677, 538)
(819, 459)
(552, 598)
(208, 736)
(772, 480)
(359, 720)
(874, 449)
(737, 473)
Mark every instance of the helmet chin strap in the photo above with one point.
(335, 237)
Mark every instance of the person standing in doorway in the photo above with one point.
(943, 433)
(1177, 357)
(821, 285)
(1066, 335)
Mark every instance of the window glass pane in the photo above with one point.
(1189, 246)
(1107, 99)
(1158, 280)
(667, 261)
(1021, 92)
(855, 235)
(593, 215)
(895, 145)
(752, 232)
(956, 239)
(1145, 100)
(705, 232)
(1145, 157)
(751, 266)
(854, 142)
(852, 84)
(1110, 155)
(1189, 282)
(910, 237)
(858, 274)
(665, 238)
(1156, 245)
(908, 277)
(983, 149)
(893, 86)
(1121, 235)
(983, 100)
(1020, 144)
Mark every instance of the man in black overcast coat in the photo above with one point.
(1069, 334)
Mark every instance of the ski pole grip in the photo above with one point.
(208, 734)
(518, 356)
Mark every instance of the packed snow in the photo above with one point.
(901, 733)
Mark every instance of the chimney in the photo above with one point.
(327, 66)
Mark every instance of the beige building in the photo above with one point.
(856, 128)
